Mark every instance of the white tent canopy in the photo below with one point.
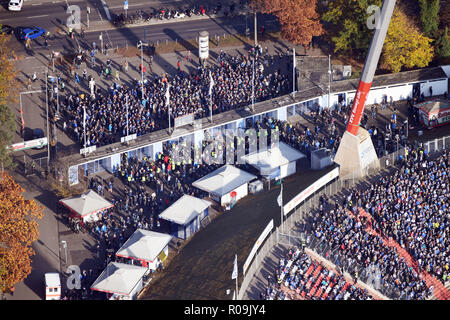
(86, 204)
(223, 180)
(144, 245)
(119, 278)
(273, 158)
(185, 209)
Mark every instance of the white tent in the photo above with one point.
(225, 184)
(186, 213)
(121, 279)
(277, 162)
(87, 205)
(146, 246)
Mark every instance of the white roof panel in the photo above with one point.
(184, 209)
(119, 278)
(52, 280)
(87, 203)
(145, 245)
(273, 158)
(223, 180)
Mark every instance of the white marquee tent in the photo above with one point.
(87, 205)
(226, 184)
(120, 279)
(149, 247)
(275, 163)
(185, 215)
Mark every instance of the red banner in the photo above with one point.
(358, 107)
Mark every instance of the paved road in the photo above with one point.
(170, 31)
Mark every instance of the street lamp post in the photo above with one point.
(64, 243)
(253, 84)
(141, 45)
(46, 111)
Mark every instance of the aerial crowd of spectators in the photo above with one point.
(298, 276)
(411, 206)
(233, 76)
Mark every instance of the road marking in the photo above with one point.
(44, 15)
(106, 10)
(99, 14)
(36, 4)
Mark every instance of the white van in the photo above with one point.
(52, 286)
(15, 5)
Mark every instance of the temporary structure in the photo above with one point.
(275, 163)
(149, 247)
(434, 113)
(226, 184)
(185, 215)
(122, 280)
(87, 205)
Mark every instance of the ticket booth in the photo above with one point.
(52, 286)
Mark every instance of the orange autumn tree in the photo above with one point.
(299, 19)
(18, 230)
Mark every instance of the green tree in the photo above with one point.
(347, 27)
(429, 16)
(405, 45)
(299, 19)
(7, 95)
(443, 45)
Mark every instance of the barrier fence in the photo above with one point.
(294, 232)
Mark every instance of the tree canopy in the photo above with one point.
(405, 45)
(299, 19)
(347, 27)
(443, 45)
(429, 16)
(7, 83)
(18, 230)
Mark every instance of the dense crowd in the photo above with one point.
(305, 278)
(106, 114)
(356, 247)
(412, 207)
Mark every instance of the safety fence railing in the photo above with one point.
(293, 230)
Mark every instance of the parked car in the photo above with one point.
(15, 5)
(38, 133)
(31, 33)
(7, 29)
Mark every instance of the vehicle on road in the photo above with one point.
(52, 286)
(30, 33)
(15, 5)
(6, 29)
(37, 134)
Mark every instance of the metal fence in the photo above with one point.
(292, 231)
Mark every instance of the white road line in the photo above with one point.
(106, 10)
(44, 15)
(36, 4)
(101, 19)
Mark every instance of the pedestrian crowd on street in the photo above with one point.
(233, 76)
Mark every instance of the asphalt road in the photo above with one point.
(130, 36)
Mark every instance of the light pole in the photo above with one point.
(64, 243)
(256, 30)
(141, 45)
(84, 127)
(46, 111)
(126, 103)
(293, 70)
(329, 81)
(253, 84)
(88, 12)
